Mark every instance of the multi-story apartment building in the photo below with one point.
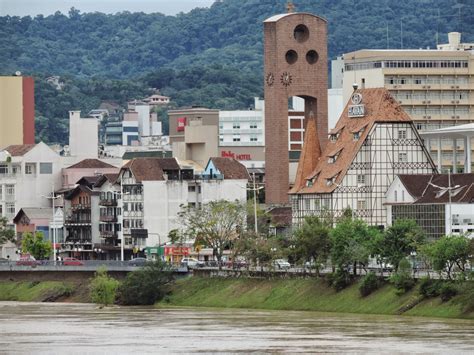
(434, 86)
(153, 191)
(373, 141)
(17, 110)
(28, 173)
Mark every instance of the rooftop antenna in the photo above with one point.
(290, 7)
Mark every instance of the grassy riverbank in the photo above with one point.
(44, 291)
(307, 295)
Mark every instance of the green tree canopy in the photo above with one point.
(35, 245)
(6, 233)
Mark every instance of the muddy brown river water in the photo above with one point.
(56, 328)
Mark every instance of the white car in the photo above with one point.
(192, 263)
(281, 264)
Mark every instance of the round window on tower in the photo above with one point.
(291, 56)
(312, 56)
(301, 33)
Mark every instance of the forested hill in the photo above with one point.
(127, 44)
(211, 56)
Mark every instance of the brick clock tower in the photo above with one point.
(295, 54)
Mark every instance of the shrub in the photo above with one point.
(368, 284)
(447, 291)
(339, 279)
(429, 287)
(103, 288)
(147, 285)
(402, 279)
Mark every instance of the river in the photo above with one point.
(58, 328)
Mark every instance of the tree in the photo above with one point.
(351, 243)
(403, 237)
(449, 251)
(35, 245)
(312, 241)
(216, 224)
(146, 285)
(103, 288)
(6, 234)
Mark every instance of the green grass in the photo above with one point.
(32, 291)
(304, 295)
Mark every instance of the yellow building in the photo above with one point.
(434, 86)
(17, 110)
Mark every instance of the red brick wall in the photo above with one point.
(308, 81)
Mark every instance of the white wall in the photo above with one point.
(335, 107)
(143, 119)
(83, 135)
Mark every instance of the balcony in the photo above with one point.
(108, 202)
(108, 234)
(77, 221)
(79, 207)
(108, 218)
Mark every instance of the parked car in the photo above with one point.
(27, 260)
(72, 262)
(192, 263)
(137, 262)
(236, 264)
(281, 264)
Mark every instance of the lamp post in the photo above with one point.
(449, 190)
(53, 221)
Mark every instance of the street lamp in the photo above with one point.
(449, 190)
(53, 221)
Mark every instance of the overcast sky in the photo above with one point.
(47, 7)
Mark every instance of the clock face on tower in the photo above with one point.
(270, 79)
(286, 79)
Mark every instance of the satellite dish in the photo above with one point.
(18, 73)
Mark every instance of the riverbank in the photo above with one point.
(308, 295)
(271, 294)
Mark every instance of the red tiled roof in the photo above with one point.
(380, 106)
(18, 150)
(231, 168)
(112, 178)
(91, 164)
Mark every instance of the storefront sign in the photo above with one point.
(230, 154)
(181, 124)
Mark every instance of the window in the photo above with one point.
(253, 125)
(330, 181)
(307, 204)
(221, 138)
(3, 169)
(236, 125)
(333, 138)
(191, 188)
(361, 179)
(199, 189)
(16, 169)
(361, 204)
(1, 210)
(192, 204)
(10, 190)
(253, 139)
(356, 136)
(236, 139)
(402, 134)
(402, 157)
(1, 193)
(10, 207)
(30, 168)
(396, 196)
(46, 168)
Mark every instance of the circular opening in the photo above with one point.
(291, 56)
(301, 33)
(312, 56)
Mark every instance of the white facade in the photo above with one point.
(143, 119)
(83, 136)
(335, 107)
(26, 180)
(242, 128)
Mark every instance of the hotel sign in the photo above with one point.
(357, 109)
(230, 154)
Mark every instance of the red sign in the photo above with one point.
(177, 250)
(181, 124)
(230, 154)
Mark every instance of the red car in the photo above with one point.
(27, 260)
(72, 262)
